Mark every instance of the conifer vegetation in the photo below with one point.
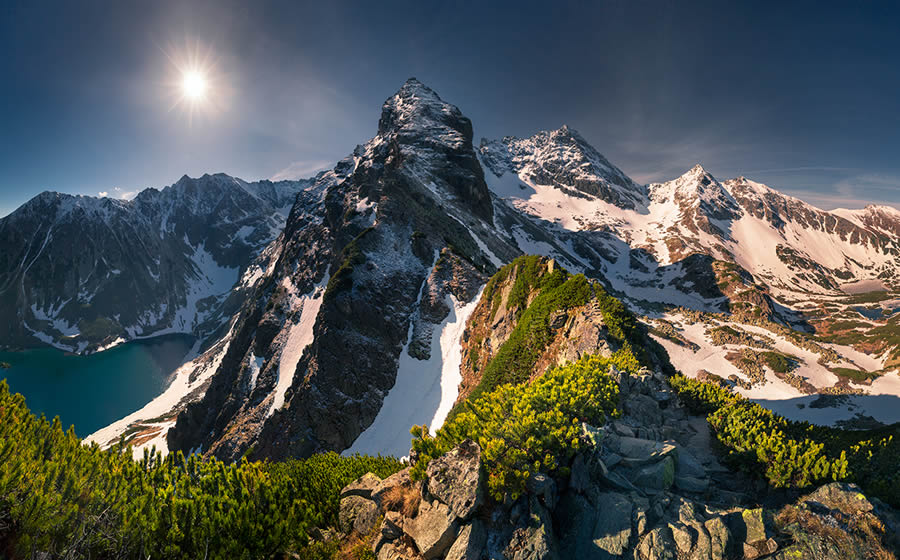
(529, 428)
(795, 454)
(69, 500)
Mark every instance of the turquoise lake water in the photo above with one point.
(95, 390)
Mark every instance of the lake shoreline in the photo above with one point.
(90, 391)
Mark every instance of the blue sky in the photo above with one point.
(800, 96)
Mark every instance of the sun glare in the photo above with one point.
(193, 85)
(196, 85)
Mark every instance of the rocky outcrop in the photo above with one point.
(576, 331)
(648, 487)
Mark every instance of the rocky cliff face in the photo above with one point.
(83, 273)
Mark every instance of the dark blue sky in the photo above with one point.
(802, 96)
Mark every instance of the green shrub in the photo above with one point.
(529, 428)
(66, 499)
(795, 454)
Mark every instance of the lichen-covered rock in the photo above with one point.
(357, 513)
(533, 539)
(656, 477)
(751, 525)
(433, 530)
(397, 551)
(658, 544)
(846, 498)
(455, 479)
(720, 542)
(362, 486)
(838, 521)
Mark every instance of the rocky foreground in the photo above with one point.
(649, 487)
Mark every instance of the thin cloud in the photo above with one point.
(125, 195)
(103, 194)
(301, 170)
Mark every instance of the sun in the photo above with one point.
(194, 85)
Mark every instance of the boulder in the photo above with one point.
(400, 478)
(720, 542)
(636, 451)
(580, 476)
(596, 531)
(469, 545)
(433, 530)
(362, 486)
(622, 428)
(846, 498)
(455, 478)
(644, 408)
(657, 544)
(613, 527)
(656, 477)
(396, 551)
(532, 538)
(542, 486)
(748, 525)
(689, 465)
(357, 514)
(691, 484)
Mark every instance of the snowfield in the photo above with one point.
(880, 401)
(424, 391)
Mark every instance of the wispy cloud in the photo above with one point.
(125, 195)
(301, 170)
(103, 194)
(854, 191)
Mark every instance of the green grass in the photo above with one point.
(855, 374)
(868, 297)
(780, 363)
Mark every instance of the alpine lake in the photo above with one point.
(94, 390)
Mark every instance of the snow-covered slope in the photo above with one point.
(790, 245)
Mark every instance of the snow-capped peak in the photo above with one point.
(562, 159)
(416, 110)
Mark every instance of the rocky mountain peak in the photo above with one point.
(418, 109)
(433, 140)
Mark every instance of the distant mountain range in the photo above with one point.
(318, 301)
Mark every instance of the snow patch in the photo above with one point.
(299, 337)
(424, 390)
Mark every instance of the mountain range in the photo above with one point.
(333, 313)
